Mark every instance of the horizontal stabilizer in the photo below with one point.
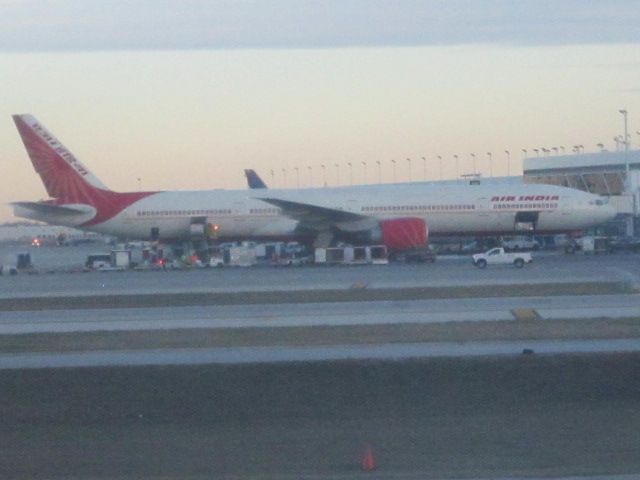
(50, 209)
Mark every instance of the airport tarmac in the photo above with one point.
(319, 314)
(325, 331)
(326, 353)
(60, 307)
(438, 386)
(447, 271)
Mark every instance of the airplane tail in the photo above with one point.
(65, 178)
(78, 197)
(254, 180)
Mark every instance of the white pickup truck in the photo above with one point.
(499, 256)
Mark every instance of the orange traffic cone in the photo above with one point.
(368, 460)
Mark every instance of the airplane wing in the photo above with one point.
(50, 209)
(314, 216)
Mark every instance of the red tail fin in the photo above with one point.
(63, 175)
(66, 179)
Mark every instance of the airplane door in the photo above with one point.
(483, 207)
(239, 217)
(239, 210)
(568, 205)
(526, 221)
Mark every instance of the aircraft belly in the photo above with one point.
(168, 228)
(556, 221)
(465, 223)
(270, 227)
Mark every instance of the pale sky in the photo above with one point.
(185, 95)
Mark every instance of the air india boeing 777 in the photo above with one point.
(399, 215)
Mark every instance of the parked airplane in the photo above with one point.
(398, 215)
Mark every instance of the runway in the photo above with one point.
(318, 332)
(446, 272)
(328, 353)
(319, 314)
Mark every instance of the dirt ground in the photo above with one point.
(427, 418)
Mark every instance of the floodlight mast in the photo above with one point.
(626, 145)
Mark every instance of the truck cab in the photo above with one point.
(497, 256)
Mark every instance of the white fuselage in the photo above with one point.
(448, 208)
(476, 207)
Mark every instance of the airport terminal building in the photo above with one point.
(613, 174)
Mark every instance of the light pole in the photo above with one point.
(394, 170)
(379, 171)
(457, 167)
(562, 149)
(490, 164)
(337, 165)
(524, 151)
(297, 176)
(350, 173)
(555, 150)
(324, 175)
(618, 140)
(284, 177)
(600, 146)
(139, 184)
(424, 168)
(409, 160)
(272, 178)
(537, 152)
(440, 165)
(473, 157)
(310, 175)
(508, 162)
(364, 164)
(626, 146)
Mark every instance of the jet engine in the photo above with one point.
(404, 233)
(397, 234)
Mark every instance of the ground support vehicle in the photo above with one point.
(519, 243)
(415, 255)
(497, 256)
(350, 255)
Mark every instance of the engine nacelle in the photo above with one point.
(404, 233)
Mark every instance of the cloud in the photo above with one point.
(32, 25)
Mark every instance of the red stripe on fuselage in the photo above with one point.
(109, 204)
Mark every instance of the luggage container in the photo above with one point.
(378, 254)
(121, 259)
(242, 256)
(361, 256)
(335, 255)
